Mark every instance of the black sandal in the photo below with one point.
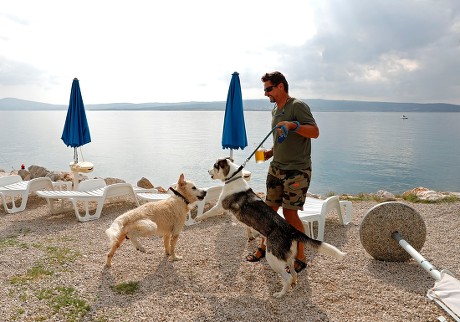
(254, 257)
(300, 266)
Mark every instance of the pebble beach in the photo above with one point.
(53, 270)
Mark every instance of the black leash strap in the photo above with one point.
(266, 137)
(232, 177)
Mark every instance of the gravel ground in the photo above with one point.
(53, 270)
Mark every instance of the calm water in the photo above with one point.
(356, 152)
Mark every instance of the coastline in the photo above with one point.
(344, 160)
(50, 254)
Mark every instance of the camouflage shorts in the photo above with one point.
(287, 188)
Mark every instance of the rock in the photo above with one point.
(37, 171)
(426, 194)
(56, 176)
(161, 190)
(312, 195)
(145, 183)
(25, 175)
(109, 181)
(385, 195)
(415, 191)
(67, 176)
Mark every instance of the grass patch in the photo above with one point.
(33, 273)
(55, 256)
(126, 288)
(38, 271)
(19, 312)
(12, 240)
(362, 197)
(60, 255)
(65, 301)
(412, 197)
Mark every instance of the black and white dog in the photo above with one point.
(281, 238)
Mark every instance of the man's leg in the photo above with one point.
(273, 198)
(292, 217)
(295, 190)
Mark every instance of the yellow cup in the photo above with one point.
(260, 155)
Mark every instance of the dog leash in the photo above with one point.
(281, 138)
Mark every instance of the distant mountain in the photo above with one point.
(317, 105)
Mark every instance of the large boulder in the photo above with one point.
(426, 194)
(145, 183)
(385, 195)
(25, 175)
(37, 171)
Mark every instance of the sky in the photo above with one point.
(181, 50)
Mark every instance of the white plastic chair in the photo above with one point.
(315, 211)
(93, 190)
(12, 188)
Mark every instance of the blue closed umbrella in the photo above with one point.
(234, 130)
(76, 129)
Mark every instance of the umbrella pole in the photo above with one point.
(75, 155)
(426, 265)
(76, 175)
(231, 154)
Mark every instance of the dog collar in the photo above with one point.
(233, 175)
(179, 195)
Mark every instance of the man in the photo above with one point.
(289, 172)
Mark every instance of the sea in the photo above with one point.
(356, 152)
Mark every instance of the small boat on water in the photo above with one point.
(404, 117)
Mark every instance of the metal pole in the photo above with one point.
(426, 265)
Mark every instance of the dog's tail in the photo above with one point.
(320, 246)
(114, 231)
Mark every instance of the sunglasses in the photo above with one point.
(269, 88)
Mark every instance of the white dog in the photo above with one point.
(281, 238)
(163, 218)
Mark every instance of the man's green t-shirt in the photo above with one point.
(294, 153)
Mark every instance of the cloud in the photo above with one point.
(19, 73)
(179, 50)
(390, 50)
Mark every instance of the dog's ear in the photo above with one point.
(181, 181)
(228, 158)
(222, 163)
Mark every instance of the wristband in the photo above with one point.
(297, 126)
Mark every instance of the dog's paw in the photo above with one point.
(199, 218)
(279, 294)
(175, 258)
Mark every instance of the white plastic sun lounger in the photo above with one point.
(315, 210)
(13, 189)
(93, 190)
